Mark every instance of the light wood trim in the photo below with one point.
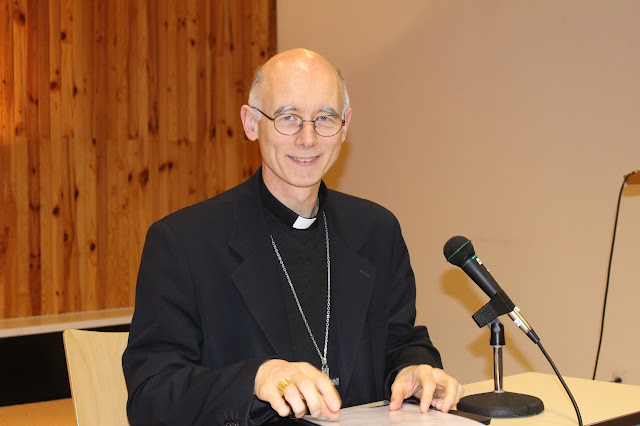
(55, 323)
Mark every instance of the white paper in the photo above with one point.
(407, 415)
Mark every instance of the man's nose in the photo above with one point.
(307, 136)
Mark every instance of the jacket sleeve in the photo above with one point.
(407, 343)
(163, 362)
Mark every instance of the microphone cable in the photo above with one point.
(606, 291)
(564, 385)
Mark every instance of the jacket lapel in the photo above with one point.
(352, 280)
(256, 278)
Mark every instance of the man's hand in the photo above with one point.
(431, 385)
(307, 388)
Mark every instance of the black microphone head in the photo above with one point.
(457, 250)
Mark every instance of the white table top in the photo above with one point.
(596, 400)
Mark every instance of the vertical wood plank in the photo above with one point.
(213, 149)
(52, 240)
(111, 149)
(99, 140)
(179, 148)
(84, 153)
(163, 166)
(150, 177)
(190, 139)
(70, 296)
(171, 87)
(19, 165)
(43, 142)
(204, 93)
(143, 213)
(220, 75)
(117, 89)
(8, 237)
(33, 158)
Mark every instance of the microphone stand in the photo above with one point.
(499, 403)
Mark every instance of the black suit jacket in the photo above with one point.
(209, 309)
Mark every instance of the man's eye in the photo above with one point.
(286, 118)
(323, 119)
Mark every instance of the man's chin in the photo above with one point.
(304, 180)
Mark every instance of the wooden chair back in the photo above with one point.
(94, 363)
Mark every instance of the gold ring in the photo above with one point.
(283, 384)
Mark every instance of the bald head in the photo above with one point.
(291, 64)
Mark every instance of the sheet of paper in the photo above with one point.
(407, 415)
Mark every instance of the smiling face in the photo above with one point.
(303, 83)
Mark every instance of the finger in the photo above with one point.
(330, 395)
(397, 395)
(438, 397)
(278, 403)
(329, 413)
(325, 400)
(311, 396)
(451, 389)
(459, 393)
(295, 400)
(400, 389)
(428, 387)
(320, 396)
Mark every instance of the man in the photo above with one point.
(280, 297)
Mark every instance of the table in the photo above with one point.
(48, 413)
(597, 401)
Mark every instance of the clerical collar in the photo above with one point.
(286, 215)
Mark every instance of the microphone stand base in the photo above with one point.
(501, 404)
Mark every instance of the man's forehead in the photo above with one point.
(303, 94)
(309, 102)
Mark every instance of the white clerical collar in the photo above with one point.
(303, 222)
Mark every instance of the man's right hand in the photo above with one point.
(307, 388)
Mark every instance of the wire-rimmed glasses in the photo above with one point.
(289, 124)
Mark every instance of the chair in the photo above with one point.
(94, 363)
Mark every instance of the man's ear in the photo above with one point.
(347, 120)
(249, 122)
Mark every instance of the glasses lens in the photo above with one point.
(288, 124)
(328, 125)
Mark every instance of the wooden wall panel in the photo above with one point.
(113, 113)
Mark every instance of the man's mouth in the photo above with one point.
(304, 160)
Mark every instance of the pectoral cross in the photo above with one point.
(325, 371)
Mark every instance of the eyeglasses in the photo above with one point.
(289, 124)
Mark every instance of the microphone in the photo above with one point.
(459, 252)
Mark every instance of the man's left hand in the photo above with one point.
(431, 385)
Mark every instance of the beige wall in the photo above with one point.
(511, 123)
